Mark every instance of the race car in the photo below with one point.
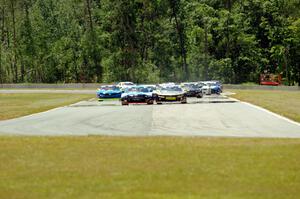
(211, 88)
(137, 94)
(218, 83)
(170, 94)
(192, 89)
(124, 85)
(109, 91)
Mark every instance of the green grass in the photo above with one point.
(16, 105)
(153, 168)
(286, 103)
(94, 89)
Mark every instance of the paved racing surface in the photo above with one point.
(210, 116)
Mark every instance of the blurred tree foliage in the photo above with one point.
(148, 40)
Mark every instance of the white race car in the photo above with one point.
(124, 85)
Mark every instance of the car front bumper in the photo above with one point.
(106, 96)
(163, 98)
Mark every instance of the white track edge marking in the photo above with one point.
(267, 111)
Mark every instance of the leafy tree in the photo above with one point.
(148, 40)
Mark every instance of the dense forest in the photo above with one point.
(148, 40)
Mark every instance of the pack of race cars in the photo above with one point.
(129, 92)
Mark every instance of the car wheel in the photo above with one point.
(183, 100)
(125, 103)
(199, 95)
(150, 101)
(158, 102)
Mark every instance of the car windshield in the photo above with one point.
(109, 88)
(174, 88)
(137, 89)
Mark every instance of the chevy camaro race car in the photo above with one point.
(109, 91)
(192, 89)
(137, 94)
(170, 94)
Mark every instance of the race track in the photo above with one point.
(210, 116)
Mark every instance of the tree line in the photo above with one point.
(68, 41)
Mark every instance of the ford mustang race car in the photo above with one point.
(137, 94)
(170, 94)
(109, 91)
(192, 89)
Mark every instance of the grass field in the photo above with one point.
(286, 103)
(16, 105)
(152, 168)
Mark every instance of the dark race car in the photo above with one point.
(170, 94)
(137, 94)
(192, 90)
(109, 91)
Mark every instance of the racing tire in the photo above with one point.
(199, 96)
(125, 103)
(183, 100)
(150, 102)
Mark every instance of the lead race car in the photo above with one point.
(170, 94)
(109, 91)
(137, 94)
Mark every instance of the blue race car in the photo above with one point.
(211, 88)
(109, 91)
(137, 94)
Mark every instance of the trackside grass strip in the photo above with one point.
(286, 103)
(152, 168)
(17, 105)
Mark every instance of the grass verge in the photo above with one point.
(154, 168)
(286, 103)
(17, 105)
(93, 89)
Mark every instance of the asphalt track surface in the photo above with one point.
(209, 116)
